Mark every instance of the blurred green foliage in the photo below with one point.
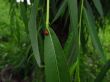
(14, 49)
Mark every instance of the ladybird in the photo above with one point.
(46, 32)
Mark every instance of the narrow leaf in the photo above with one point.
(33, 32)
(71, 46)
(61, 10)
(98, 6)
(56, 68)
(93, 33)
(23, 12)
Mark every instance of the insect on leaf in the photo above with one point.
(56, 69)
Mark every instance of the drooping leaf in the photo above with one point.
(73, 11)
(41, 47)
(33, 32)
(89, 21)
(98, 6)
(61, 10)
(56, 69)
(71, 46)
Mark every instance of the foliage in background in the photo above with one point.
(64, 36)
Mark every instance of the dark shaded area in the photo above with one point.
(106, 6)
(61, 29)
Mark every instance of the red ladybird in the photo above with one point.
(45, 32)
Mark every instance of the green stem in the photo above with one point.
(78, 58)
(47, 15)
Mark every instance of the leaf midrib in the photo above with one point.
(55, 57)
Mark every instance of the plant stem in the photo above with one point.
(47, 15)
(78, 58)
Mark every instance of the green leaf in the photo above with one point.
(23, 12)
(33, 33)
(98, 6)
(73, 68)
(77, 73)
(71, 46)
(73, 11)
(61, 10)
(103, 72)
(93, 33)
(56, 69)
(41, 46)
